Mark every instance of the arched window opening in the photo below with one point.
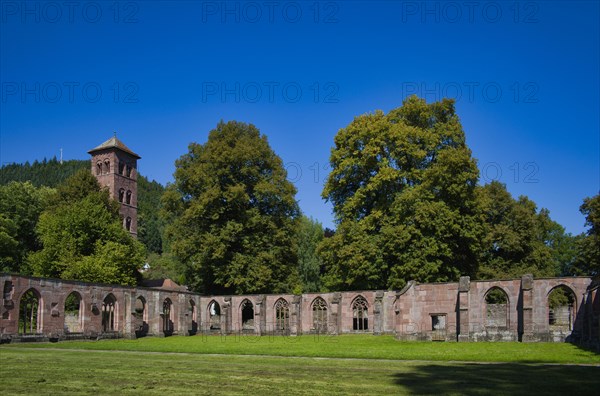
(128, 170)
(73, 314)
(319, 310)
(107, 166)
(30, 313)
(128, 224)
(121, 195)
(121, 167)
(282, 316)
(140, 315)
(360, 314)
(109, 311)
(167, 314)
(128, 200)
(99, 168)
(562, 310)
(247, 315)
(194, 317)
(496, 308)
(214, 315)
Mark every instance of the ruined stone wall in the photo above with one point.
(454, 311)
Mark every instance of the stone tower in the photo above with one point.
(115, 167)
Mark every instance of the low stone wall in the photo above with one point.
(453, 311)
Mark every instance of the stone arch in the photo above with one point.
(121, 195)
(214, 315)
(562, 308)
(319, 315)
(128, 197)
(497, 308)
(107, 165)
(128, 223)
(247, 315)
(194, 316)
(167, 314)
(30, 312)
(282, 316)
(360, 314)
(109, 313)
(74, 313)
(140, 313)
(98, 168)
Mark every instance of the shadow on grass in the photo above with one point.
(513, 379)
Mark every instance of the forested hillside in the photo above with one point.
(51, 173)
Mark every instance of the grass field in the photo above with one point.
(304, 365)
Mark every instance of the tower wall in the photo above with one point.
(116, 170)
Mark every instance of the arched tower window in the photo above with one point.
(128, 199)
(99, 168)
(107, 166)
(121, 195)
(128, 223)
(128, 170)
(360, 314)
(319, 310)
(121, 167)
(282, 315)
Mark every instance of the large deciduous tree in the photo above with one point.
(519, 239)
(83, 237)
(20, 207)
(403, 191)
(233, 215)
(310, 234)
(588, 244)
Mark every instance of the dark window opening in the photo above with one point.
(360, 315)
(29, 313)
(247, 315)
(282, 315)
(319, 310)
(214, 314)
(109, 313)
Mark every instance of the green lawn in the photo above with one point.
(346, 346)
(305, 365)
(62, 372)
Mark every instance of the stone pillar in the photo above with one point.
(128, 330)
(226, 316)
(296, 316)
(462, 314)
(377, 313)
(260, 316)
(335, 318)
(525, 306)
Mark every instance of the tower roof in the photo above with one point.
(113, 142)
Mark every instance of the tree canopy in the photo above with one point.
(588, 245)
(232, 214)
(403, 191)
(83, 238)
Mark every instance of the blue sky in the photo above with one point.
(525, 76)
